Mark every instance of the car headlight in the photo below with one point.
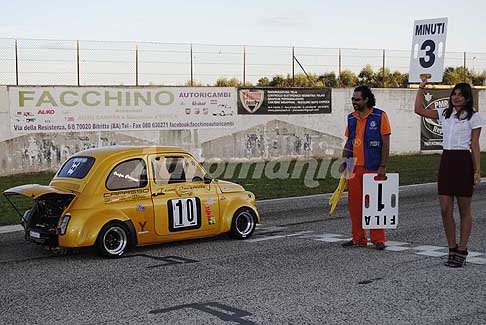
(62, 227)
(24, 221)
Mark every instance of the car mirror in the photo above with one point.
(207, 179)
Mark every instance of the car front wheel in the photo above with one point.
(243, 224)
(112, 240)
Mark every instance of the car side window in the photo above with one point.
(193, 172)
(175, 169)
(128, 174)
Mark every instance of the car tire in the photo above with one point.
(113, 240)
(243, 224)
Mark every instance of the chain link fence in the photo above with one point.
(69, 62)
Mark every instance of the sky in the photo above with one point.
(330, 24)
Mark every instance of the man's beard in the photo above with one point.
(359, 108)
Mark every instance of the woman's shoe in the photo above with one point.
(452, 253)
(459, 259)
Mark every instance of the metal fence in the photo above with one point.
(68, 62)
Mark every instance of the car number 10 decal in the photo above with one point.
(184, 214)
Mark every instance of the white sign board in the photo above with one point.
(84, 109)
(428, 49)
(380, 202)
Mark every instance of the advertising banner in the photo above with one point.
(430, 129)
(76, 109)
(284, 101)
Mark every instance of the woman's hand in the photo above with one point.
(477, 178)
(423, 83)
(419, 102)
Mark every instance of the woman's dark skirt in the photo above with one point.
(456, 173)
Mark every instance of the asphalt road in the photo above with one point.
(292, 271)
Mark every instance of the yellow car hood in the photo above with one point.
(35, 190)
(228, 187)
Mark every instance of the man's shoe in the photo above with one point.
(351, 244)
(380, 246)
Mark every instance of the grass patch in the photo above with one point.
(278, 179)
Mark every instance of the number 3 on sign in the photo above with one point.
(428, 48)
(184, 214)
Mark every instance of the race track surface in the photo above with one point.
(293, 271)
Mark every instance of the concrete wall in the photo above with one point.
(254, 136)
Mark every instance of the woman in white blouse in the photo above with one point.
(459, 167)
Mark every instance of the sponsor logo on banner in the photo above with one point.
(252, 100)
(431, 130)
(433, 125)
(284, 101)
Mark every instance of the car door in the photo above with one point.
(184, 206)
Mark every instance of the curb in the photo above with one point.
(12, 228)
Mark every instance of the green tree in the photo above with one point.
(263, 82)
(379, 76)
(367, 76)
(195, 83)
(279, 81)
(302, 80)
(479, 78)
(348, 79)
(456, 75)
(223, 82)
(328, 79)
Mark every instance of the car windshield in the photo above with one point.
(76, 167)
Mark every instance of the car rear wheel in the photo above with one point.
(243, 224)
(112, 240)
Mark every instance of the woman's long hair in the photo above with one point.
(466, 92)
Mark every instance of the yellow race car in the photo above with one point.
(116, 197)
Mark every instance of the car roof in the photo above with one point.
(105, 152)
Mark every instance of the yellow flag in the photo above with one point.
(336, 196)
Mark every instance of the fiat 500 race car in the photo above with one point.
(115, 197)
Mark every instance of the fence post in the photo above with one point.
(464, 70)
(192, 76)
(16, 63)
(136, 64)
(383, 68)
(293, 66)
(77, 61)
(244, 66)
(339, 68)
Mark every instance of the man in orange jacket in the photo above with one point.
(368, 146)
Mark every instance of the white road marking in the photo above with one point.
(428, 250)
(391, 246)
(13, 228)
(330, 238)
(396, 246)
(300, 233)
(477, 260)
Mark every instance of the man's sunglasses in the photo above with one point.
(355, 99)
